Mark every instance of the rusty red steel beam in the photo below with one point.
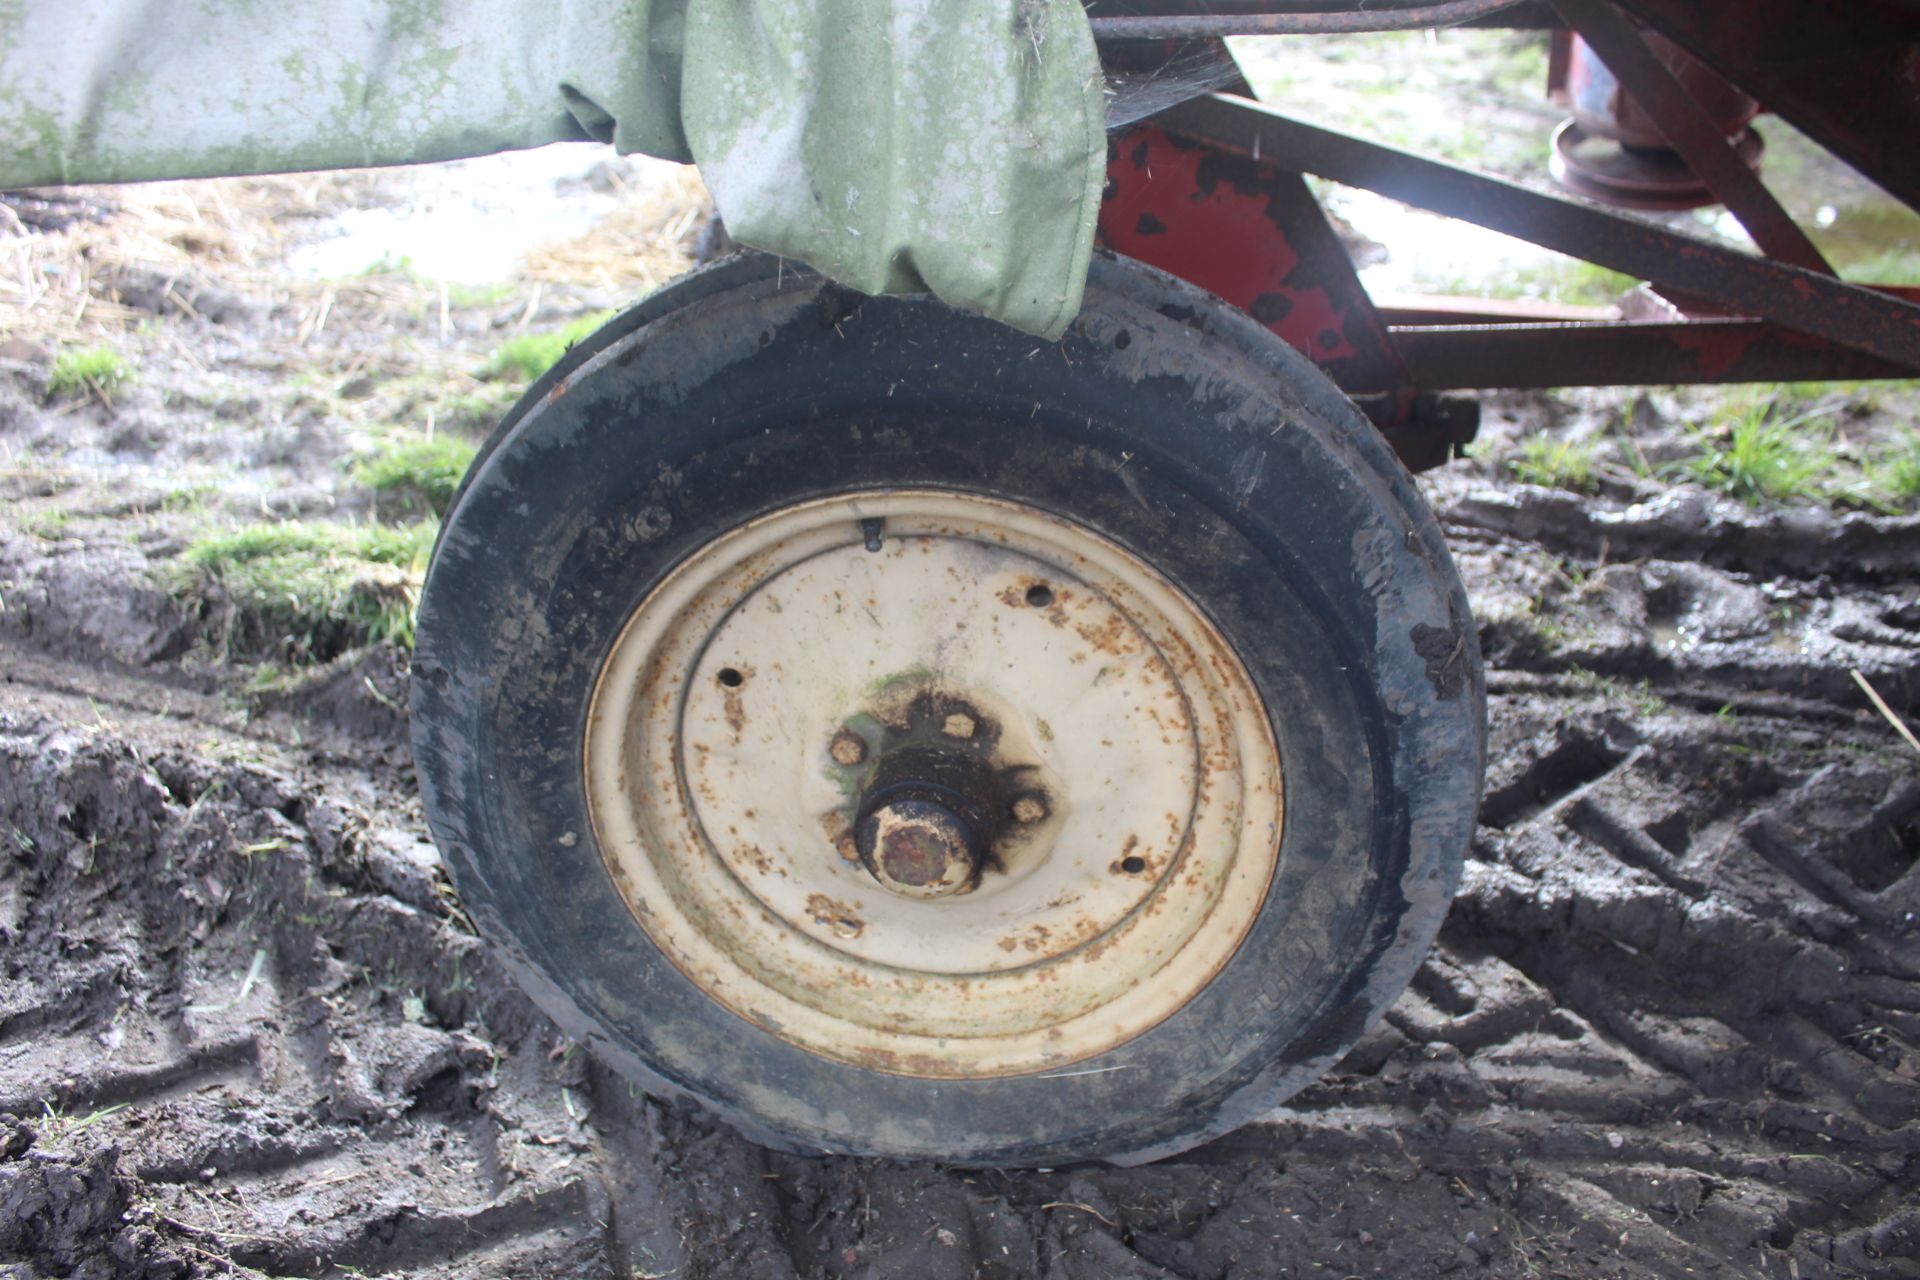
(1313, 19)
(1850, 315)
(1691, 131)
(1465, 357)
(1846, 74)
(1403, 310)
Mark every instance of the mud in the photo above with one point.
(1672, 1026)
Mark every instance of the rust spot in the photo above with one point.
(829, 913)
(1110, 637)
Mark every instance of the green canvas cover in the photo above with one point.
(955, 146)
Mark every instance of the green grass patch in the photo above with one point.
(418, 474)
(477, 412)
(310, 591)
(96, 371)
(1563, 464)
(1638, 696)
(461, 294)
(1583, 282)
(1568, 281)
(1889, 266)
(531, 354)
(1759, 457)
(1893, 479)
(48, 526)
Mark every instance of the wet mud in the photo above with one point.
(1672, 1026)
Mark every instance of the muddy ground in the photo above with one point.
(1672, 1026)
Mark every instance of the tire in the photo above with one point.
(1166, 426)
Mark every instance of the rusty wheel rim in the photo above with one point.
(933, 783)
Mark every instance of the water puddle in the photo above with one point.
(473, 222)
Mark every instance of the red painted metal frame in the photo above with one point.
(1212, 191)
(1255, 235)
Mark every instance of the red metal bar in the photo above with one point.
(1849, 315)
(1320, 19)
(1461, 357)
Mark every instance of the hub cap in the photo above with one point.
(933, 783)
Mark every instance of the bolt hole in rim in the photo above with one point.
(1089, 755)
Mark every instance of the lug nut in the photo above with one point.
(848, 748)
(1030, 808)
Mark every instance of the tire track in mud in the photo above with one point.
(1672, 1026)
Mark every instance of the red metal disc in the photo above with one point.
(1651, 179)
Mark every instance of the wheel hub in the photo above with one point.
(919, 848)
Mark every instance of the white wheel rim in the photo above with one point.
(723, 816)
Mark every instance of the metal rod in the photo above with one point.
(1466, 357)
(1329, 22)
(1691, 132)
(1847, 314)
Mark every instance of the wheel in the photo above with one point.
(907, 737)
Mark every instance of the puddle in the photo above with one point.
(473, 222)
(1668, 638)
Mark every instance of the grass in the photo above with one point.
(444, 401)
(1889, 266)
(1758, 457)
(48, 526)
(1581, 282)
(417, 474)
(1893, 479)
(459, 293)
(464, 295)
(1790, 443)
(478, 411)
(94, 371)
(1639, 696)
(532, 354)
(313, 590)
(1564, 464)
(57, 1124)
(1562, 280)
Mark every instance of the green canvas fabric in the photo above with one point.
(949, 145)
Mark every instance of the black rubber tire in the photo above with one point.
(1167, 421)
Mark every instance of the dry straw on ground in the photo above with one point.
(61, 286)
(641, 247)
